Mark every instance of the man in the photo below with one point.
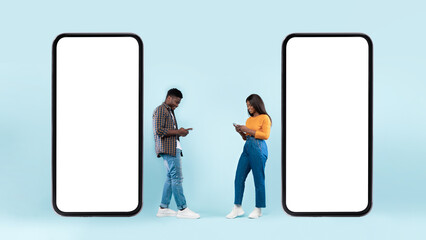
(167, 146)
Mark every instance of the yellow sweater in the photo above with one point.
(261, 124)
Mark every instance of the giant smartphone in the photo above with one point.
(97, 87)
(327, 132)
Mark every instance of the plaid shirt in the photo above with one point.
(162, 121)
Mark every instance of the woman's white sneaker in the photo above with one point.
(187, 213)
(236, 212)
(257, 212)
(166, 212)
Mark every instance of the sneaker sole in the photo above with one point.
(166, 215)
(187, 217)
(255, 217)
(239, 215)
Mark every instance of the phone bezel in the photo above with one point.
(370, 124)
(140, 126)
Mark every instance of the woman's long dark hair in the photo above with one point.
(257, 103)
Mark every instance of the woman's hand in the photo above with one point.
(245, 129)
(238, 129)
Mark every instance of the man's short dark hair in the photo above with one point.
(174, 92)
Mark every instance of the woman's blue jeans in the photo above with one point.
(252, 159)
(173, 183)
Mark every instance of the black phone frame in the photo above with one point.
(140, 126)
(370, 125)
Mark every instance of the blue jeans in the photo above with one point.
(253, 158)
(173, 182)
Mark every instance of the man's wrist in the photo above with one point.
(172, 132)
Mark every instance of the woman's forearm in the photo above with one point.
(251, 132)
(242, 135)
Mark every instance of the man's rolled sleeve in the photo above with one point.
(159, 119)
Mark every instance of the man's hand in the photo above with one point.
(183, 131)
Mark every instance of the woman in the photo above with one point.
(255, 153)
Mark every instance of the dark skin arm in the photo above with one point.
(241, 129)
(247, 130)
(240, 132)
(181, 132)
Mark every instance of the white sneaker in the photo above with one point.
(166, 212)
(187, 213)
(236, 212)
(257, 212)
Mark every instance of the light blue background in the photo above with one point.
(217, 53)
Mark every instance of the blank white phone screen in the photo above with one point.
(97, 122)
(327, 124)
